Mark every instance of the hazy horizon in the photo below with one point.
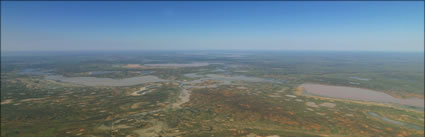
(146, 26)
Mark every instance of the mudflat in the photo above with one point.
(352, 93)
(93, 81)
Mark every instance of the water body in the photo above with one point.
(193, 75)
(38, 72)
(144, 90)
(219, 70)
(228, 78)
(146, 72)
(359, 94)
(394, 121)
(173, 65)
(93, 81)
(100, 72)
(359, 78)
(237, 78)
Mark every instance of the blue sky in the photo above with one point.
(305, 25)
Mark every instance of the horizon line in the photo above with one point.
(14, 52)
(118, 50)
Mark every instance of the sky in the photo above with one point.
(213, 25)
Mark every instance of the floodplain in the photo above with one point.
(241, 94)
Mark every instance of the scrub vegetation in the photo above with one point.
(241, 94)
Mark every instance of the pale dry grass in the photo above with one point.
(7, 101)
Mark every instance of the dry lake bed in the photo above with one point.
(352, 93)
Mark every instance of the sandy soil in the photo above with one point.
(291, 96)
(7, 101)
(183, 98)
(152, 131)
(32, 99)
(133, 66)
(311, 104)
(329, 105)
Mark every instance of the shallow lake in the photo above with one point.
(93, 81)
(358, 94)
(228, 78)
(193, 75)
(359, 78)
(31, 71)
(100, 72)
(237, 78)
(173, 65)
